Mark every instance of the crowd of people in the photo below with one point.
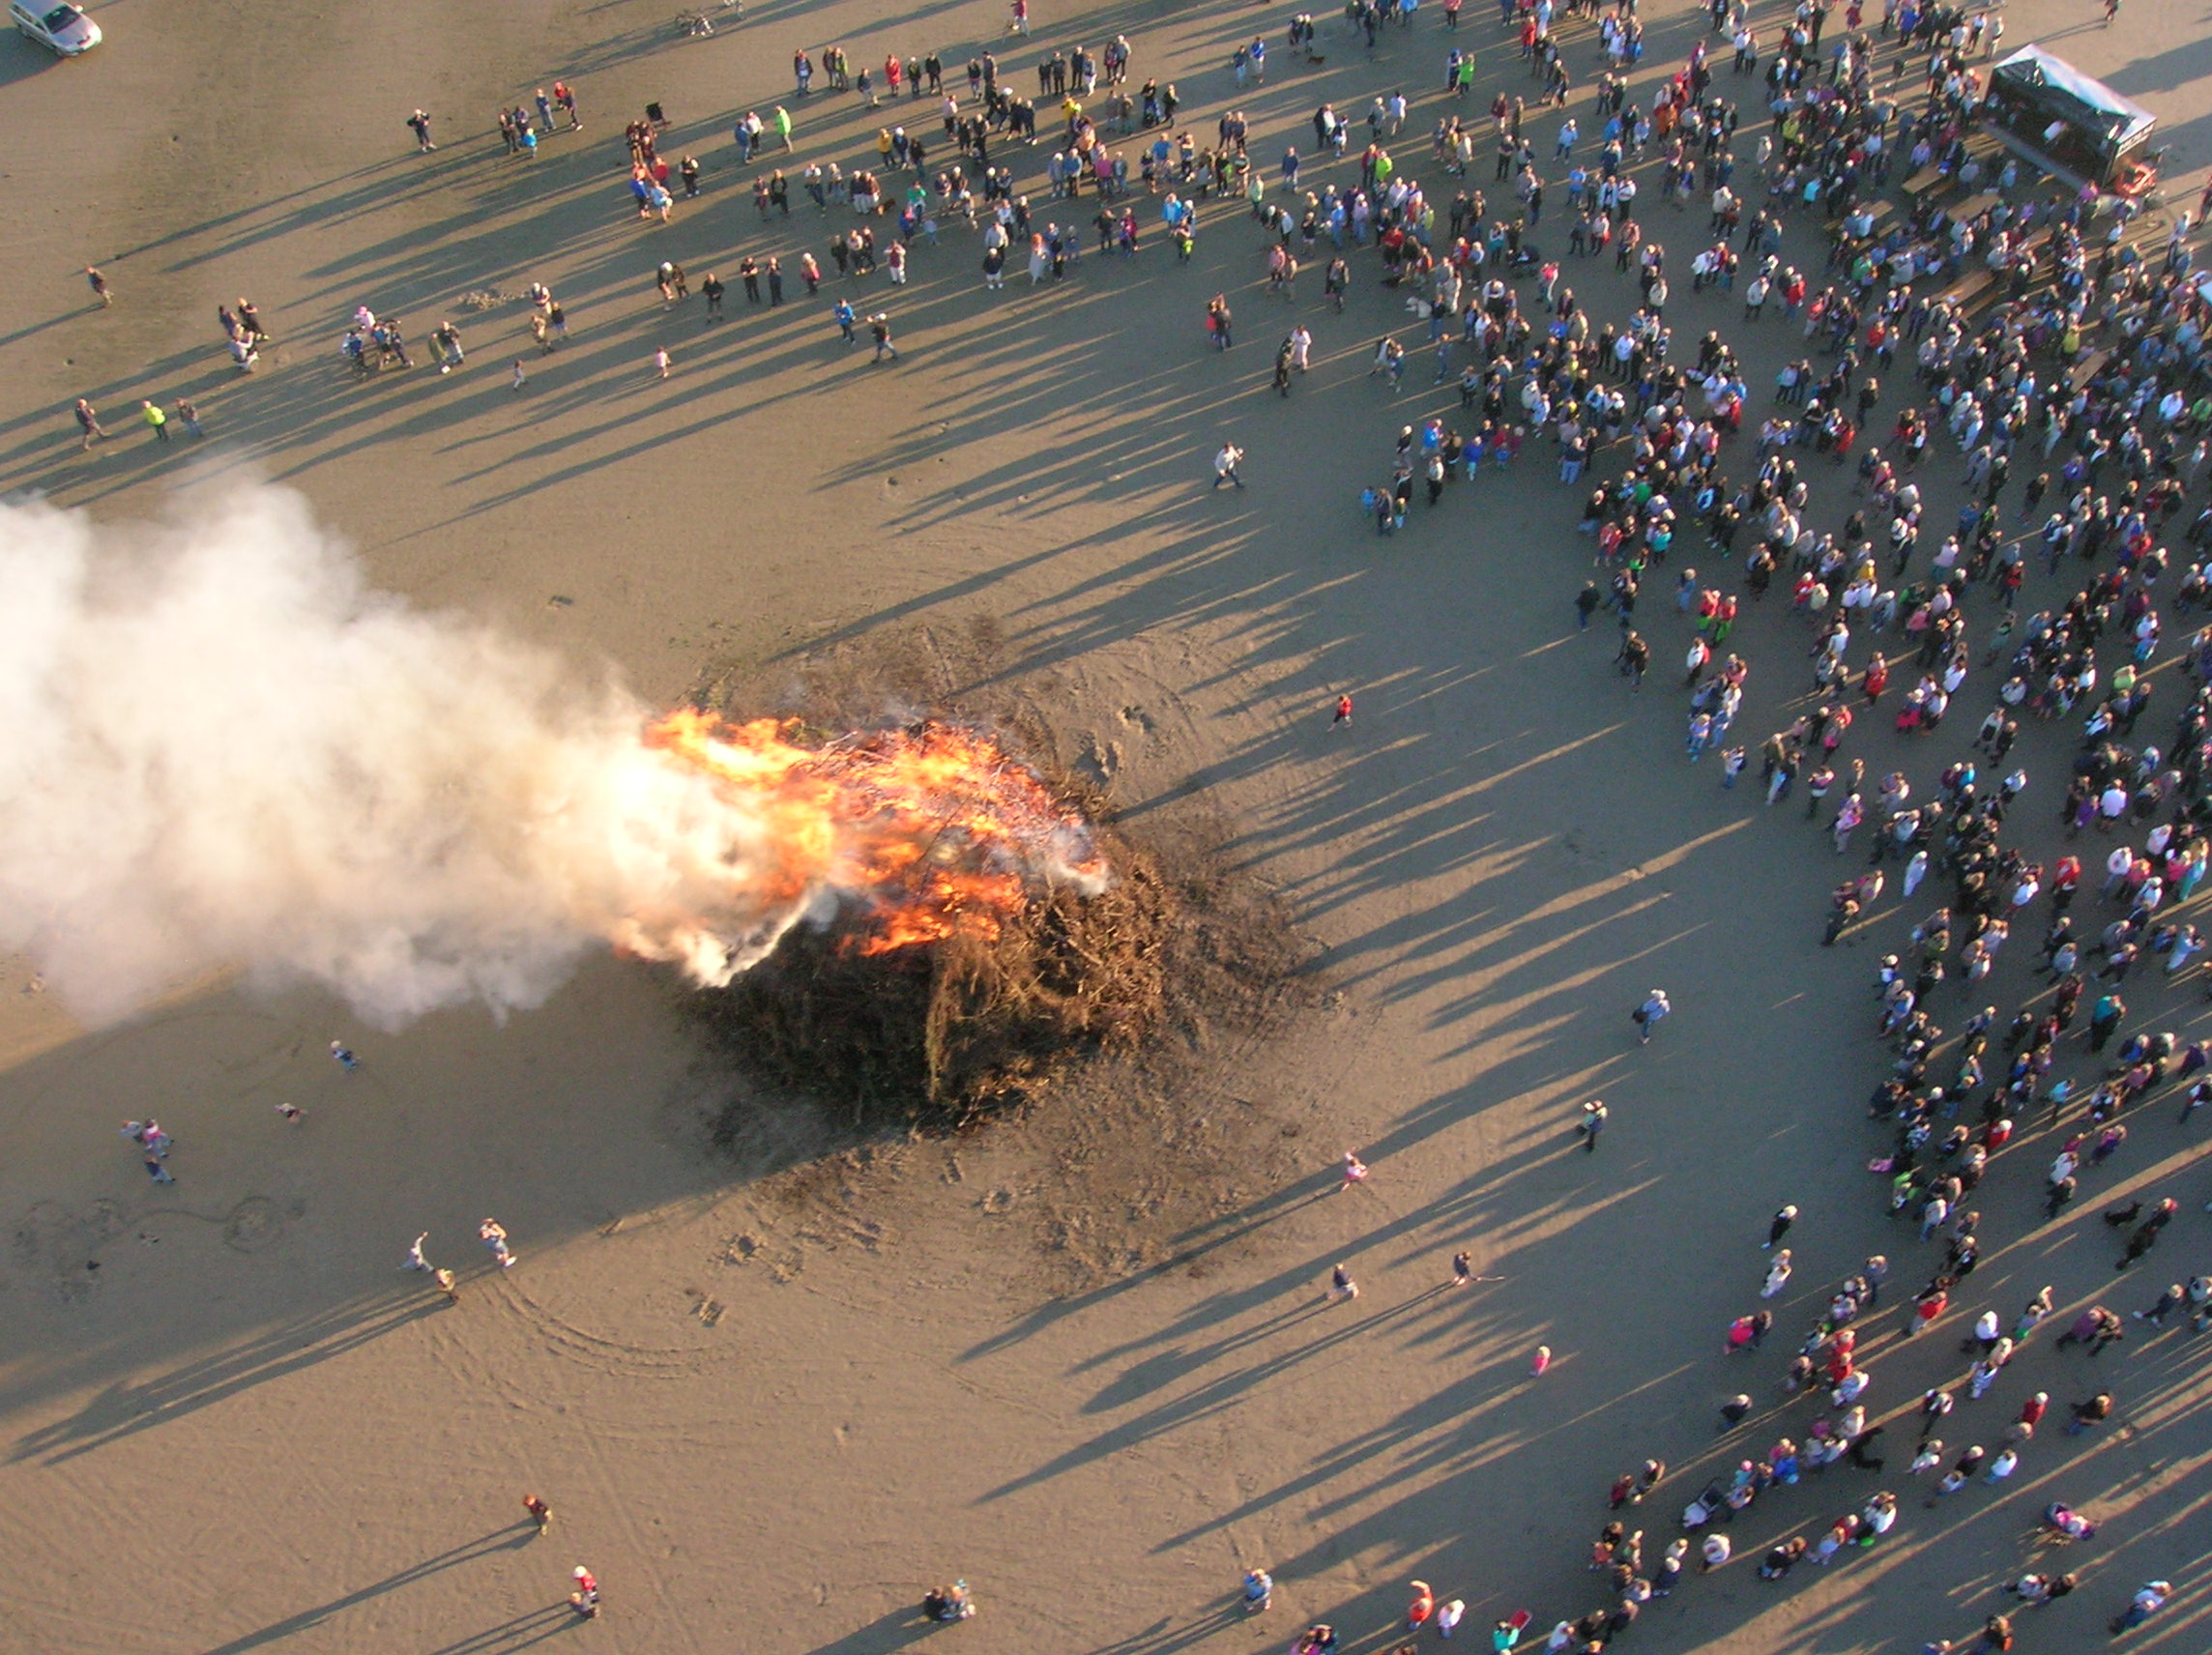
(2077, 407)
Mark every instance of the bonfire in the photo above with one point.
(963, 928)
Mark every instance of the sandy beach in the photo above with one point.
(775, 1390)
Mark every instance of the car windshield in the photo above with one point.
(60, 18)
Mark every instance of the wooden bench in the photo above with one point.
(1971, 288)
(1973, 206)
(2087, 368)
(1982, 150)
(1923, 181)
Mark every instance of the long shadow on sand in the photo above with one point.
(124, 1409)
(532, 1626)
(539, 1622)
(894, 1630)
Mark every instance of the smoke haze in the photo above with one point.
(221, 749)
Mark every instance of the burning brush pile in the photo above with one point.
(963, 930)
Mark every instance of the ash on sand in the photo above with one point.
(1175, 950)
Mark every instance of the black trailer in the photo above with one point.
(2071, 124)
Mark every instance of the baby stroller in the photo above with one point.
(2063, 1523)
(1707, 1506)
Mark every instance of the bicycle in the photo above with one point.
(702, 23)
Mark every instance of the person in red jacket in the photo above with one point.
(1423, 1606)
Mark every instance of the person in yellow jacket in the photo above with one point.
(155, 417)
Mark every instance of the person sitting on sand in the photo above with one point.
(950, 1603)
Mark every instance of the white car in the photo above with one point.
(62, 30)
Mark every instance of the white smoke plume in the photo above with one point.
(219, 750)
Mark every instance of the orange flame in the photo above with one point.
(935, 829)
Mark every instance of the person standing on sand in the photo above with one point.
(1874, 1272)
(88, 422)
(1928, 1304)
(156, 420)
(520, 378)
(660, 362)
(1634, 656)
(2146, 1235)
(1592, 1124)
(1354, 1171)
(1777, 1275)
(1341, 1285)
(415, 1261)
(1780, 1228)
(584, 1598)
(1225, 464)
(2095, 1412)
(99, 283)
(1259, 1590)
(1343, 711)
(1649, 1016)
(154, 1145)
(540, 1512)
(494, 1236)
(1462, 1269)
(344, 1058)
(418, 124)
(445, 1283)
(2150, 1597)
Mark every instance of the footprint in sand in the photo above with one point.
(1099, 760)
(253, 1224)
